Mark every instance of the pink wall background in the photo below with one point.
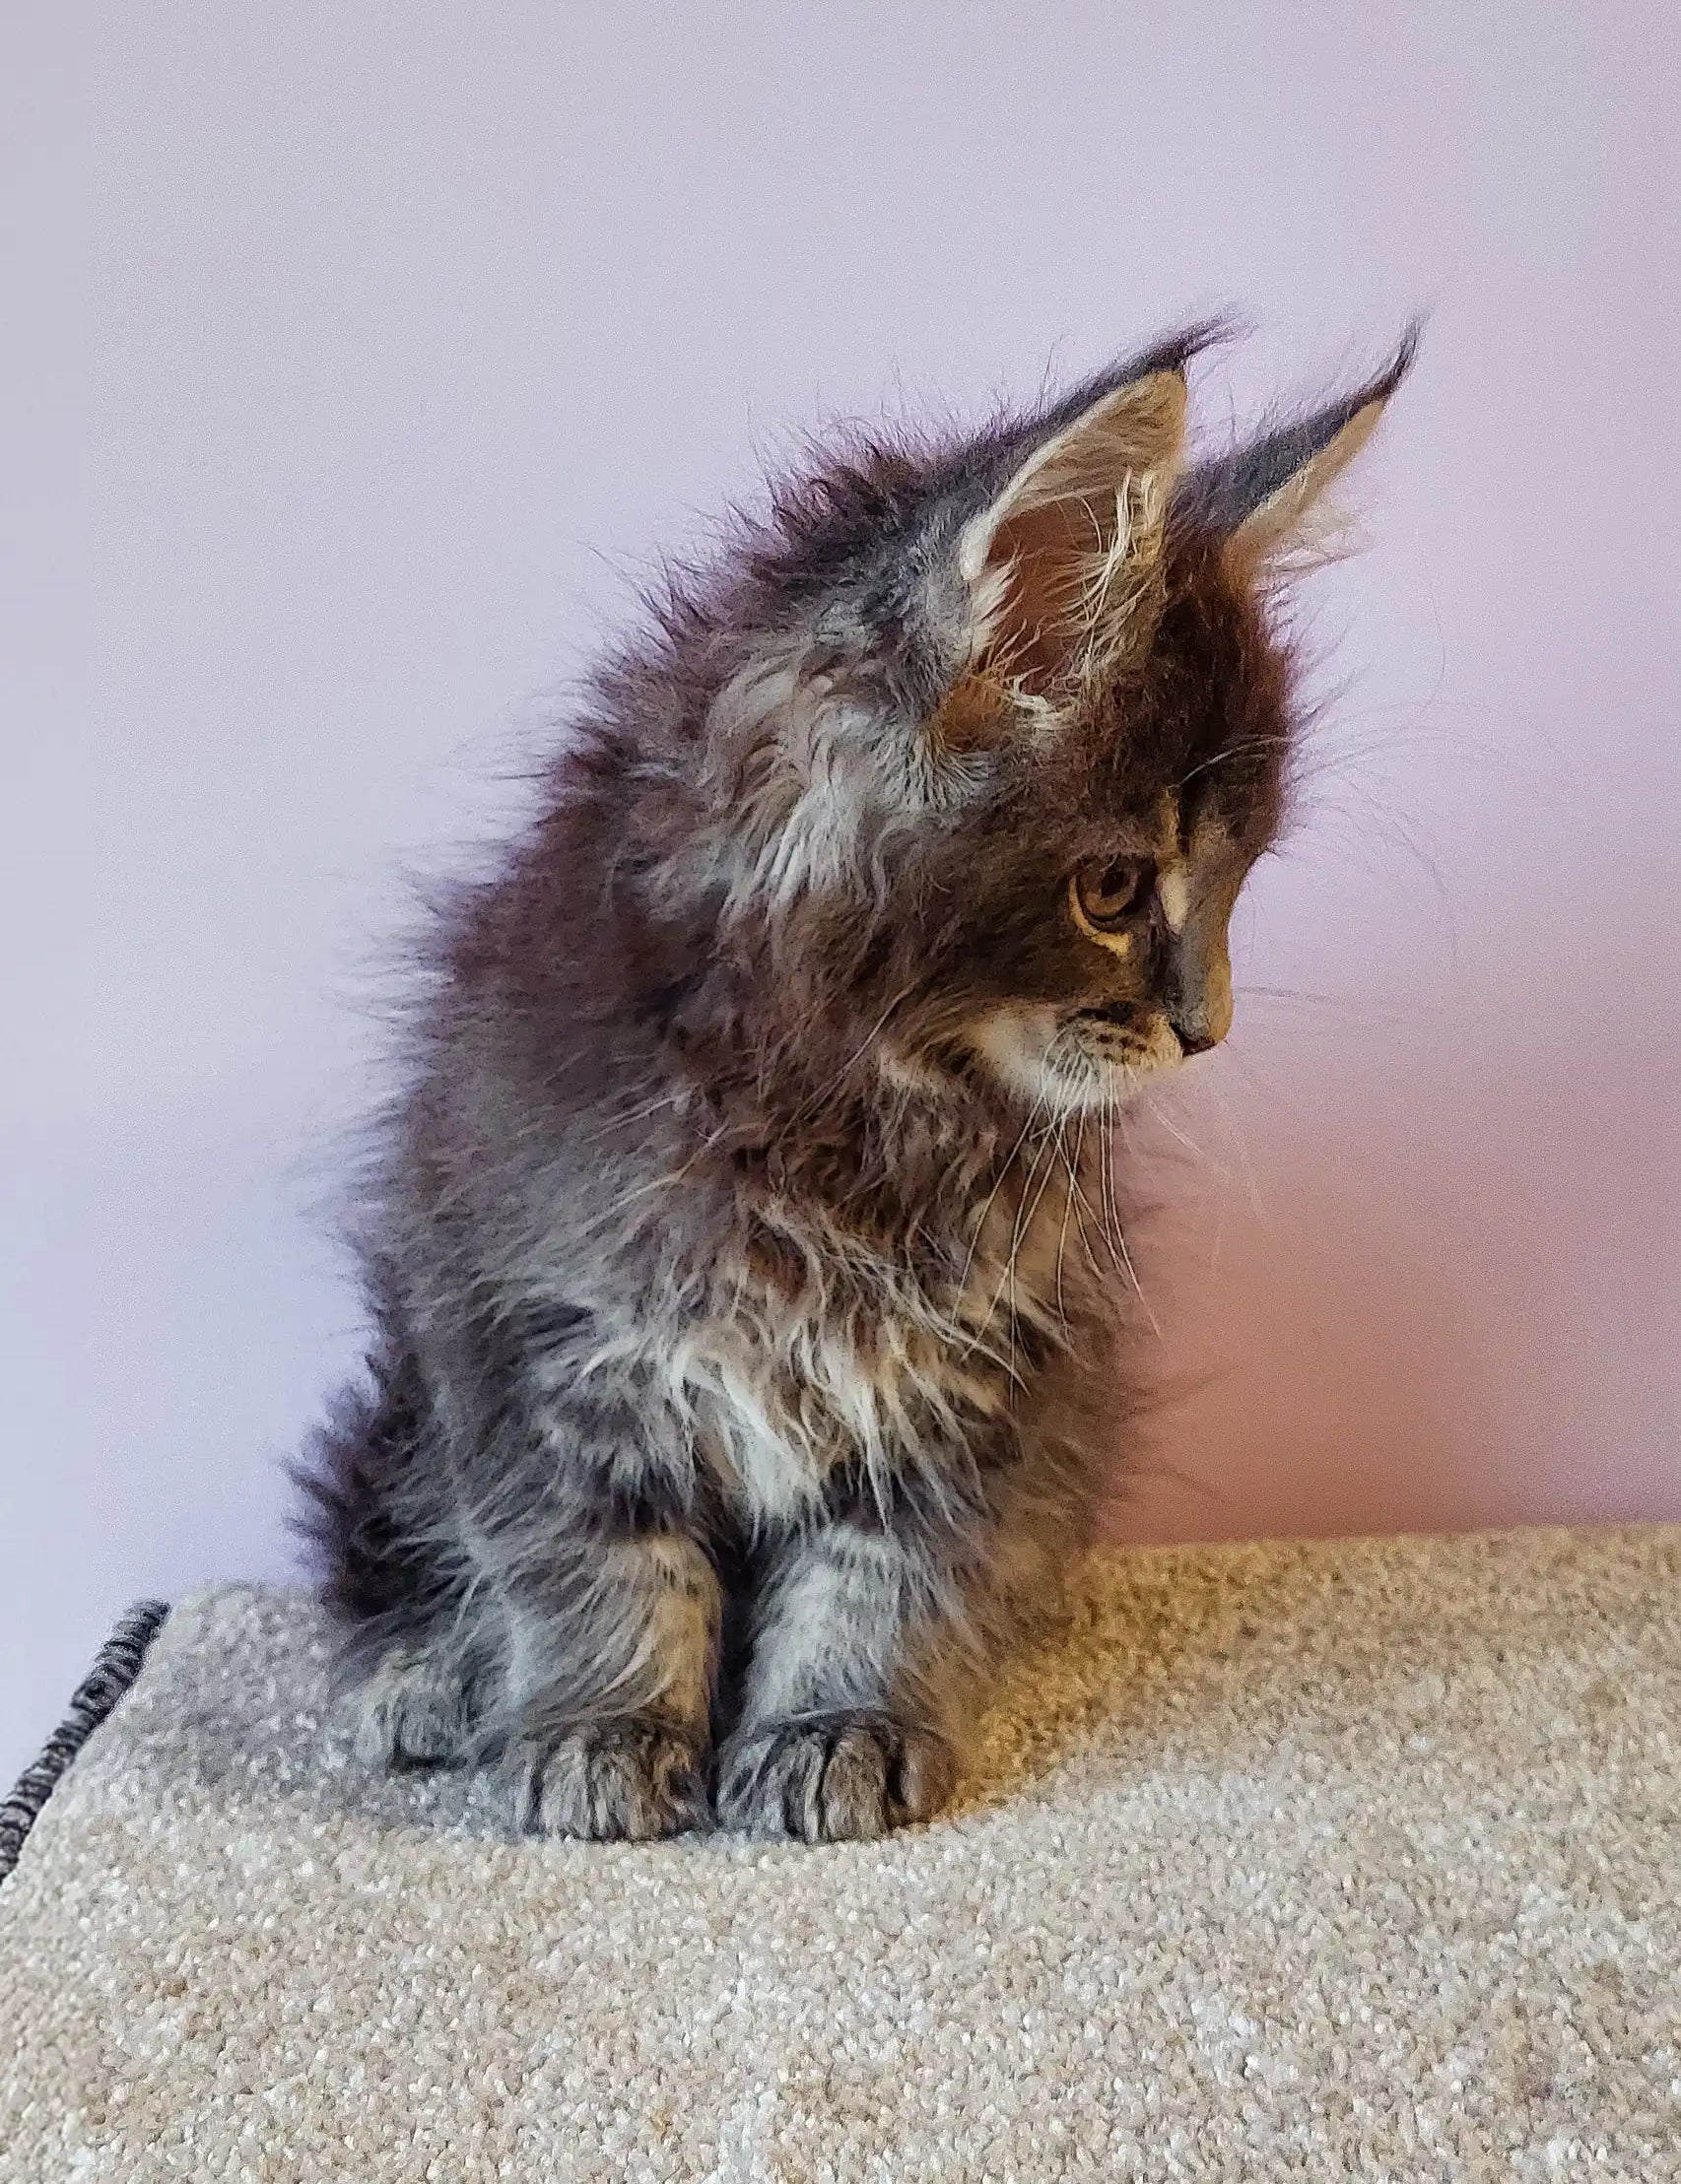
(358, 357)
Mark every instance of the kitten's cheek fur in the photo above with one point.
(1014, 1042)
(1034, 1054)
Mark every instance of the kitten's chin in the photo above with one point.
(1070, 1064)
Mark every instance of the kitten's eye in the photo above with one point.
(1106, 895)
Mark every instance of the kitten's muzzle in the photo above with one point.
(1122, 1032)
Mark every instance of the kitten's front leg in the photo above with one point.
(611, 1609)
(612, 1655)
(844, 1731)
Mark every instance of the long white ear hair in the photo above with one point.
(1271, 497)
(1061, 565)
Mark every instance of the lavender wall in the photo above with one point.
(360, 355)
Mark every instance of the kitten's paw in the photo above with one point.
(416, 1710)
(625, 1779)
(832, 1779)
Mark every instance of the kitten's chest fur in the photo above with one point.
(822, 1348)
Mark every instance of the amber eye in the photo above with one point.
(1106, 896)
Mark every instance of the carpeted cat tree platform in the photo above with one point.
(1352, 1861)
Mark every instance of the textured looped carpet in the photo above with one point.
(1326, 1862)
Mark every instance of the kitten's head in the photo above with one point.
(1008, 728)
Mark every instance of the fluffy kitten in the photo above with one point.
(744, 1266)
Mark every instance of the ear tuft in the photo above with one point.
(1268, 497)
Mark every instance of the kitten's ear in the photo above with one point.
(1268, 498)
(1062, 568)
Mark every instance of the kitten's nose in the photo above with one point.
(1193, 1037)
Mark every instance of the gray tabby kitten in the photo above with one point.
(744, 1263)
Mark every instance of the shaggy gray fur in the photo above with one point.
(744, 1260)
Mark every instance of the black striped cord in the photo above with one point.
(113, 1671)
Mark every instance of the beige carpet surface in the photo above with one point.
(1354, 1861)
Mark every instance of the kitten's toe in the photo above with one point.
(829, 1778)
(414, 1709)
(625, 1779)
